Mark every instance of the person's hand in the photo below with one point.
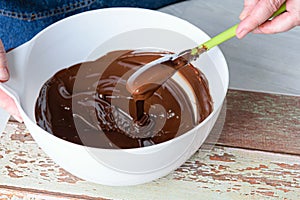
(6, 102)
(256, 13)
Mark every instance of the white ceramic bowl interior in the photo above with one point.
(87, 36)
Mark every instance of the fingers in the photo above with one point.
(8, 104)
(260, 13)
(4, 75)
(282, 23)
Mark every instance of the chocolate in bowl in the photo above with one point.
(82, 103)
(66, 43)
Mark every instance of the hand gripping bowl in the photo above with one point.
(87, 36)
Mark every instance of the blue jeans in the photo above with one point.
(20, 20)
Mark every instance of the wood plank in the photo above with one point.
(222, 173)
(17, 193)
(269, 122)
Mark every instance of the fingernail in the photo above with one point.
(242, 16)
(18, 118)
(244, 13)
(241, 33)
(4, 75)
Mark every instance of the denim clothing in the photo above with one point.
(20, 20)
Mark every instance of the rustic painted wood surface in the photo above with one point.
(222, 173)
(232, 169)
(268, 122)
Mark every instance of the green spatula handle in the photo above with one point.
(229, 33)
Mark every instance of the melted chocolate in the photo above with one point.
(88, 103)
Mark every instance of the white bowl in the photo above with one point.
(89, 35)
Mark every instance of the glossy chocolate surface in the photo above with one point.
(88, 103)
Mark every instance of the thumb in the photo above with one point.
(8, 104)
(4, 75)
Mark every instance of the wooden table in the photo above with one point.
(257, 156)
